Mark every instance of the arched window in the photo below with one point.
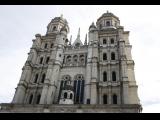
(75, 58)
(104, 56)
(66, 41)
(112, 56)
(78, 89)
(68, 59)
(41, 60)
(88, 101)
(47, 60)
(113, 76)
(104, 41)
(54, 28)
(52, 45)
(71, 96)
(114, 99)
(112, 41)
(81, 58)
(115, 24)
(64, 59)
(30, 99)
(36, 78)
(108, 23)
(43, 78)
(104, 76)
(45, 46)
(104, 99)
(100, 26)
(65, 95)
(38, 99)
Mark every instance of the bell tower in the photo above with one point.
(61, 30)
(57, 24)
(117, 83)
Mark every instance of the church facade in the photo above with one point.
(94, 76)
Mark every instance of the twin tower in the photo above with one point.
(98, 72)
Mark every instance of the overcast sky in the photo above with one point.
(19, 24)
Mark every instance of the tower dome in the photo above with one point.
(108, 14)
(92, 27)
(107, 20)
(57, 25)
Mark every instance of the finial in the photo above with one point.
(61, 15)
(85, 42)
(79, 31)
(70, 40)
(78, 36)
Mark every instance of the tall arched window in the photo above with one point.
(45, 46)
(75, 58)
(78, 89)
(104, 41)
(68, 59)
(41, 60)
(66, 79)
(104, 76)
(81, 57)
(114, 99)
(65, 95)
(43, 78)
(71, 96)
(112, 56)
(113, 76)
(104, 99)
(104, 56)
(36, 78)
(52, 45)
(54, 28)
(112, 41)
(108, 23)
(38, 99)
(100, 26)
(47, 60)
(30, 99)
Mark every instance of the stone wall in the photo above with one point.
(17, 108)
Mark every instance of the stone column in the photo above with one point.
(47, 80)
(109, 73)
(44, 92)
(93, 92)
(53, 84)
(124, 74)
(100, 96)
(94, 83)
(109, 95)
(87, 83)
(125, 82)
(21, 89)
(20, 94)
(51, 93)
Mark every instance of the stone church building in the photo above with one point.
(94, 76)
